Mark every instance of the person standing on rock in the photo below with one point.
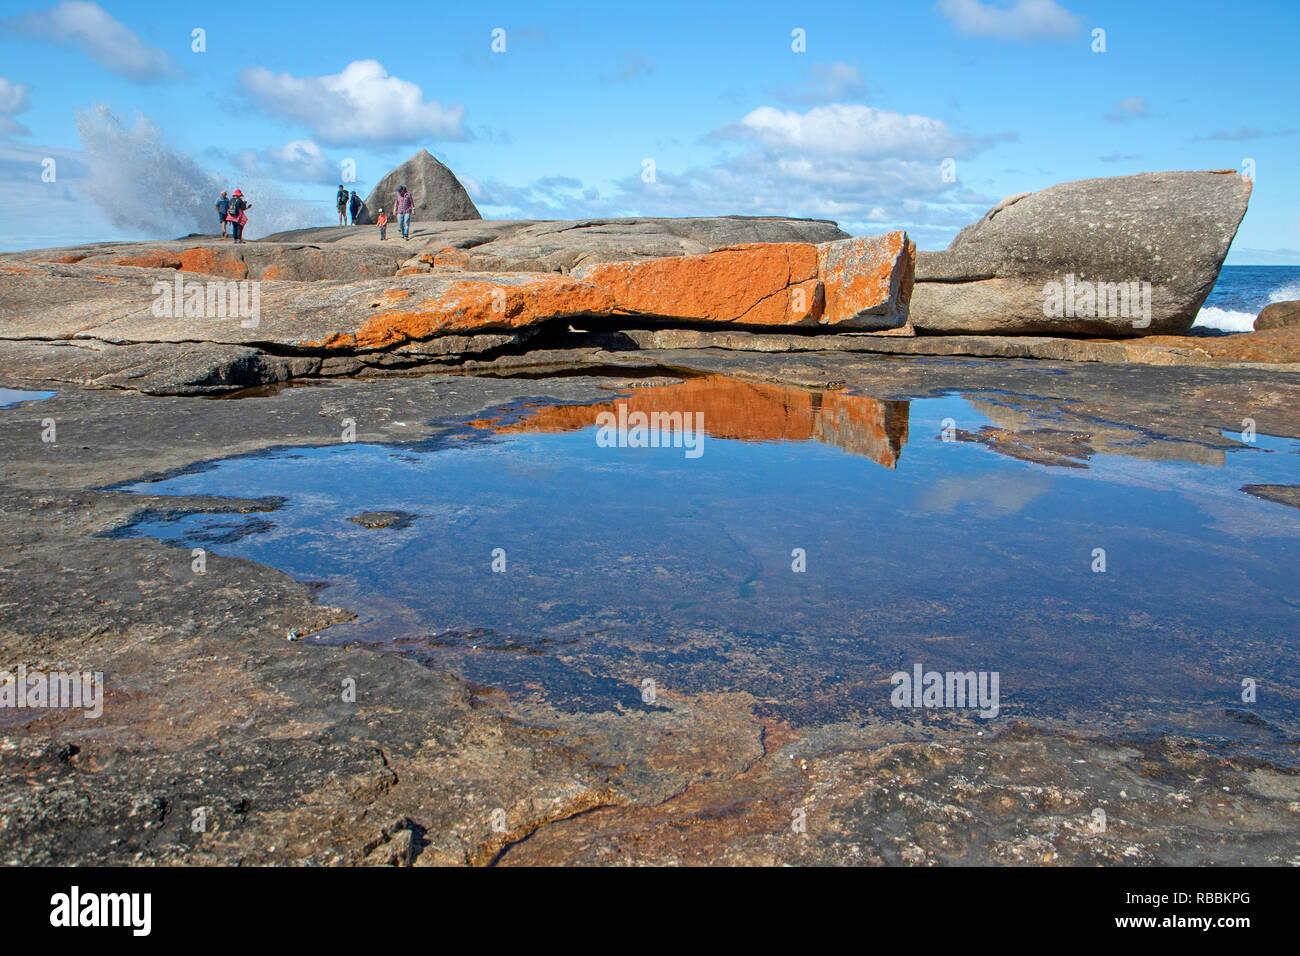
(383, 224)
(402, 208)
(223, 207)
(237, 216)
(341, 200)
(356, 206)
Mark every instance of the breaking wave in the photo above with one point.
(143, 184)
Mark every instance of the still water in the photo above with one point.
(820, 542)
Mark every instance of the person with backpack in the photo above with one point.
(341, 200)
(403, 206)
(237, 215)
(223, 207)
(356, 206)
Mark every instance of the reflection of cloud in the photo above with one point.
(991, 494)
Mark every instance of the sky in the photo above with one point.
(119, 120)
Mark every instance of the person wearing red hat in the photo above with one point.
(236, 215)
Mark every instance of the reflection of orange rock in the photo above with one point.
(747, 411)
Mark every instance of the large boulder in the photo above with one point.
(1127, 255)
(438, 193)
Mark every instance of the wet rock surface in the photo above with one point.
(299, 751)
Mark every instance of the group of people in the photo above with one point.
(403, 206)
(232, 211)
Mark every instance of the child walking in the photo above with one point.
(383, 224)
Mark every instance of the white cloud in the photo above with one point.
(14, 98)
(299, 161)
(362, 104)
(827, 82)
(869, 170)
(848, 129)
(1023, 20)
(90, 28)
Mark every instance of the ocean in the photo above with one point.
(1242, 291)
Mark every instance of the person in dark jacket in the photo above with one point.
(341, 200)
(237, 216)
(223, 207)
(355, 206)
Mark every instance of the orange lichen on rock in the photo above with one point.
(862, 283)
(215, 262)
(472, 306)
(746, 411)
(1273, 346)
(205, 259)
(763, 283)
(864, 276)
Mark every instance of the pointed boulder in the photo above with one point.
(438, 193)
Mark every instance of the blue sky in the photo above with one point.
(857, 127)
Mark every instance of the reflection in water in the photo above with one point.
(621, 564)
(735, 410)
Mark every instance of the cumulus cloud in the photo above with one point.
(847, 129)
(827, 82)
(14, 98)
(1130, 107)
(91, 29)
(362, 104)
(870, 170)
(1027, 20)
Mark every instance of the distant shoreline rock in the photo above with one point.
(437, 193)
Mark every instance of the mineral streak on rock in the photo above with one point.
(746, 411)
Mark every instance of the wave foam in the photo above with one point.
(1224, 320)
(141, 183)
